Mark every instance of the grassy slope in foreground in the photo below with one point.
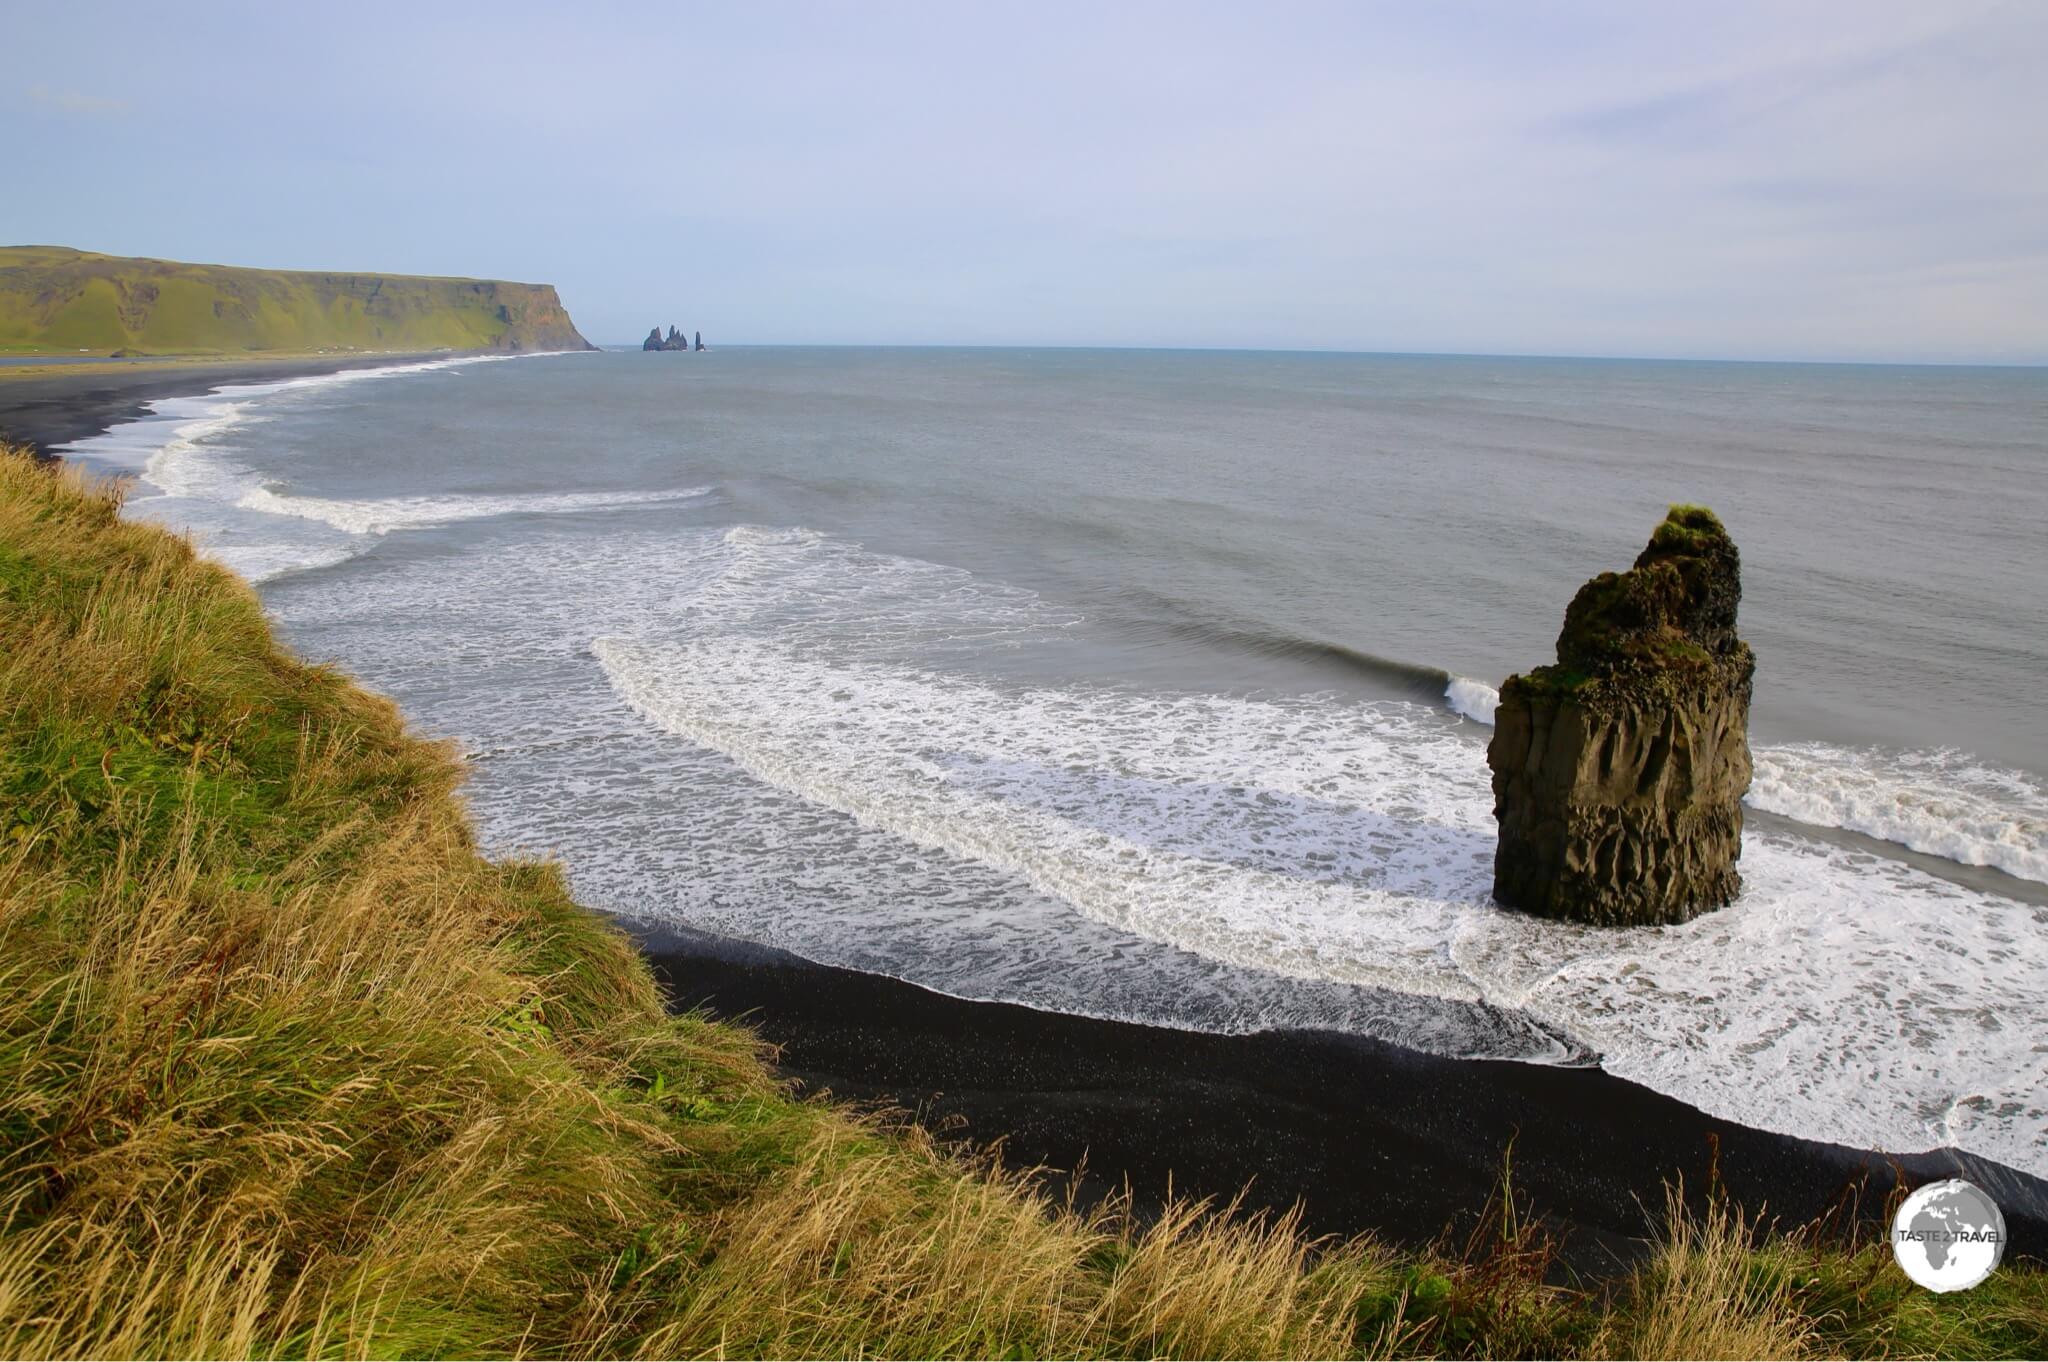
(287, 1067)
(55, 299)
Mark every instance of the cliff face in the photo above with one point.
(60, 299)
(1618, 772)
(533, 315)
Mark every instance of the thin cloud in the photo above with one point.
(1837, 179)
(73, 102)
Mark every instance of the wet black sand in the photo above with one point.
(1365, 1136)
(53, 409)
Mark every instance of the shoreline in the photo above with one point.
(46, 410)
(1365, 1136)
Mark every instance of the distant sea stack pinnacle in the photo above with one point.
(1619, 771)
(675, 340)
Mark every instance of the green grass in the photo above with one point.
(60, 301)
(287, 1067)
(1687, 529)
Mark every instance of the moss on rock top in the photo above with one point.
(1672, 613)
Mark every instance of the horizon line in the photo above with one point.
(1360, 354)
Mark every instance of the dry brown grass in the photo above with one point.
(1702, 1295)
(891, 1250)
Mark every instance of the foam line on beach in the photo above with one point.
(678, 832)
(1327, 839)
(179, 450)
(151, 445)
(1330, 841)
(380, 516)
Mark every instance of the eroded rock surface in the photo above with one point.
(1619, 771)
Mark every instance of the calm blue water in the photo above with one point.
(1153, 685)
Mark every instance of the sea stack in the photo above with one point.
(1619, 771)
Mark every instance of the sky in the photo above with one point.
(1864, 180)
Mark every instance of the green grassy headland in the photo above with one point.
(54, 300)
(288, 1068)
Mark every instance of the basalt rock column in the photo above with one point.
(1619, 771)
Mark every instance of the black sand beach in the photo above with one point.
(1364, 1136)
(47, 410)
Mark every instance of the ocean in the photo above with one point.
(1155, 686)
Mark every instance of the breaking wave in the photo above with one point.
(1250, 638)
(1474, 700)
(383, 516)
(1330, 840)
(1944, 803)
(232, 511)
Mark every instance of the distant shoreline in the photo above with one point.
(45, 410)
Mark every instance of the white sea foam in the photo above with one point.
(1474, 699)
(267, 561)
(800, 584)
(857, 784)
(186, 422)
(193, 481)
(1845, 997)
(160, 446)
(1944, 803)
(1351, 842)
(411, 367)
(384, 515)
(182, 464)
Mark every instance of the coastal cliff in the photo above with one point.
(53, 298)
(1619, 771)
